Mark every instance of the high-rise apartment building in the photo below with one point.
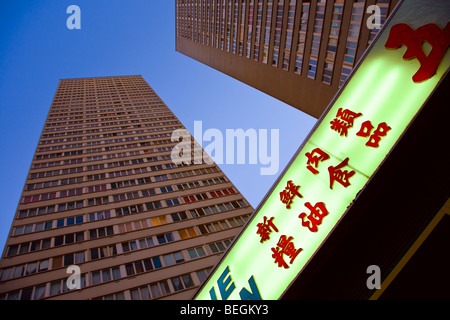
(104, 194)
(299, 52)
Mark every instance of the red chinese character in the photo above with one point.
(318, 212)
(314, 159)
(288, 194)
(375, 138)
(286, 247)
(336, 174)
(265, 229)
(366, 129)
(345, 122)
(403, 34)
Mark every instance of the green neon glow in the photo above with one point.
(382, 90)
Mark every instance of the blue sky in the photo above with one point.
(120, 37)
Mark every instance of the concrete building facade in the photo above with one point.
(104, 195)
(299, 52)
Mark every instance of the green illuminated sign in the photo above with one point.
(349, 143)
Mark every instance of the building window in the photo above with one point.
(242, 26)
(182, 282)
(259, 18)
(317, 36)
(165, 238)
(173, 258)
(333, 42)
(302, 37)
(196, 253)
(352, 40)
(267, 31)
(172, 202)
(384, 10)
(152, 291)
